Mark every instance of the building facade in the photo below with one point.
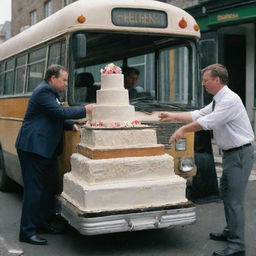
(27, 13)
(5, 31)
(228, 37)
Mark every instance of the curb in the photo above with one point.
(7, 249)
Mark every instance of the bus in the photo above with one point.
(158, 39)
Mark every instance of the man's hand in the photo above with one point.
(179, 134)
(88, 109)
(165, 117)
(75, 128)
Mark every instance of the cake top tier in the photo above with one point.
(111, 69)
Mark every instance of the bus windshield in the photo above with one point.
(166, 68)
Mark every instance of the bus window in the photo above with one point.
(9, 77)
(2, 78)
(145, 64)
(166, 66)
(174, 75)
(20, 76)
(36, 68)
(57, 53)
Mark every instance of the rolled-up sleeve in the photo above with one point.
(222, 114)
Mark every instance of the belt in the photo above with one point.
(233, 149)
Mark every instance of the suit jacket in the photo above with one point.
(44, 122)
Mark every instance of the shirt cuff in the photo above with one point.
(195, 115)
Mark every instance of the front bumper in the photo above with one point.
(130, 220)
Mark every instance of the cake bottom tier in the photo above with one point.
(123, 196)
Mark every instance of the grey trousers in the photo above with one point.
(237, 166)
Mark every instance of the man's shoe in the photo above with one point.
(35, 239)
(218, 236)
(50, 229)
(229, 252)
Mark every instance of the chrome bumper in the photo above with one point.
(104, 223)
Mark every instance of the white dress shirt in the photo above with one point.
(229, 121)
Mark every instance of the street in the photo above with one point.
(189, 240)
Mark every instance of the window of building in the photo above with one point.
(67, 2)
(33, 18)
(48, 8)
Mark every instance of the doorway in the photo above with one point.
(234, 56)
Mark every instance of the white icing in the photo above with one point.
(112, 82)
(121, 170)
(122, 196)
(112, 97)
(130, 137)
(113, 101)
(108, 113)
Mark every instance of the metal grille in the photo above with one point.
(164, 131)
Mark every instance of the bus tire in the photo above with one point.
(5, 181)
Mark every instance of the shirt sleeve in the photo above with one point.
(224, 112)
(196, 114)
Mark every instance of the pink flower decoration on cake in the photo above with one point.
(111, 69)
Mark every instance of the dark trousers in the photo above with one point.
(40, 187)
(237, 166)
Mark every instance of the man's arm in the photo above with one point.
(184, 117)
(178, 134)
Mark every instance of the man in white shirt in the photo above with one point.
(232, 130)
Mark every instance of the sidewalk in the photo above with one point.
(218, 160)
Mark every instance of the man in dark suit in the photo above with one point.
(37, 145)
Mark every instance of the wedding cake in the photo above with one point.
(120, 166)
(113, 108)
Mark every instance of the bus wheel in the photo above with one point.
(5, 181)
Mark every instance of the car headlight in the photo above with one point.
(186, 164)
(181, 145)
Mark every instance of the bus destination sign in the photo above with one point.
(139, 18)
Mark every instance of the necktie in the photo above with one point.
(213, 105)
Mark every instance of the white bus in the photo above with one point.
(156, 38)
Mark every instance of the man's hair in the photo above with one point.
(217, 70)
(53, 70)
(130, 70)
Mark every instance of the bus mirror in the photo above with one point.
(79, 46)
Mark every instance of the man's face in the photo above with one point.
(210, 83)
(130, 80)
(61, 82)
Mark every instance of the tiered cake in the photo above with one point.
(119, 165)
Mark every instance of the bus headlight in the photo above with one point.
(186, 164)
(181, 145)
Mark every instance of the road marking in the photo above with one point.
(7, 249)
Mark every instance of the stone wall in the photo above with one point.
(21, 10)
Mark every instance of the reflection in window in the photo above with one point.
(20, 76)
(174, 75)
(2, 80)
(35, 72)
(2, 77)
(145, 64)
(57, 54)
(9, 77)
(36, 68)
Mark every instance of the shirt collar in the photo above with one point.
(220, 93)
